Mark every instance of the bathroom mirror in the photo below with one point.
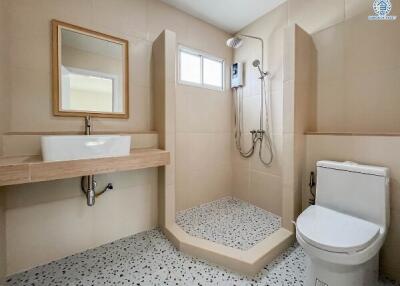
(90, 73)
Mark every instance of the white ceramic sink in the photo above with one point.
(65, 148)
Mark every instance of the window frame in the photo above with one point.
(116, 102)
(202, 56)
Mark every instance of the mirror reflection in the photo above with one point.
(92, 72)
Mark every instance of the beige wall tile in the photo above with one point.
(202, 110)
(331, 106)
(241, 183)
(21, 50)
(288, 210)
(305, 108)
(289, 54)
(216, 39)
(75, 11)
(288, 107)
(276, 166)
(330, 52)
(354, 8)
(275, 110)
(162, 16)
(270, 23)
(202, 154)
(140, 62)
(197, 190)
(238, 162)
(371, 101)
(265, 191)
(41, 228)
(348, 76)
(32, 19)
(364, 38)
(314, 15)
(288, 164)
(130, 19)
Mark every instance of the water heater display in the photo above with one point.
(237, 75)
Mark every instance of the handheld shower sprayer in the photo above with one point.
(262, 134)
(256, 64)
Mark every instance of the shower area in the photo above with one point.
(233, 188)
(237, 218)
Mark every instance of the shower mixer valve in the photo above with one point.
(257, 134)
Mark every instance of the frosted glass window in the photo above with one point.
(200, 69)
(212, 72)
(190, 68)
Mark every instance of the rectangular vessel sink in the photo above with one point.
(65, 148)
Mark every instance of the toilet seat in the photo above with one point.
(333, 231)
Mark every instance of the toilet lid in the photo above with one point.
(334, 231)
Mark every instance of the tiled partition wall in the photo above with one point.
(299, 101)
(373, 150)
(3, 127)
(164, 49)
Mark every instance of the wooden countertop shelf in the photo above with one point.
(28, 169)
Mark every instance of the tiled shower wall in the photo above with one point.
(261, 185)
(203, 142)
(203, 132)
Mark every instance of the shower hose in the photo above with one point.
(261, 135)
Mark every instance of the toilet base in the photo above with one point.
(321, 273)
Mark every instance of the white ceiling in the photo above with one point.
(228, 15)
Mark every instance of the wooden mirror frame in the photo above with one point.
(56, 65)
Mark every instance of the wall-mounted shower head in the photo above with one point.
(234, 42)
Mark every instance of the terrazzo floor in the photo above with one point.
(229, 221)
(149, 258)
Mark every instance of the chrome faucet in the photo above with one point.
(88, 125)
(90, 191)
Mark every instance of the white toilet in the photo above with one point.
(344, 231)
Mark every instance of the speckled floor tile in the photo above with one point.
(230, 222)
(149, 258)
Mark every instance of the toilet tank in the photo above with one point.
(358, 190)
